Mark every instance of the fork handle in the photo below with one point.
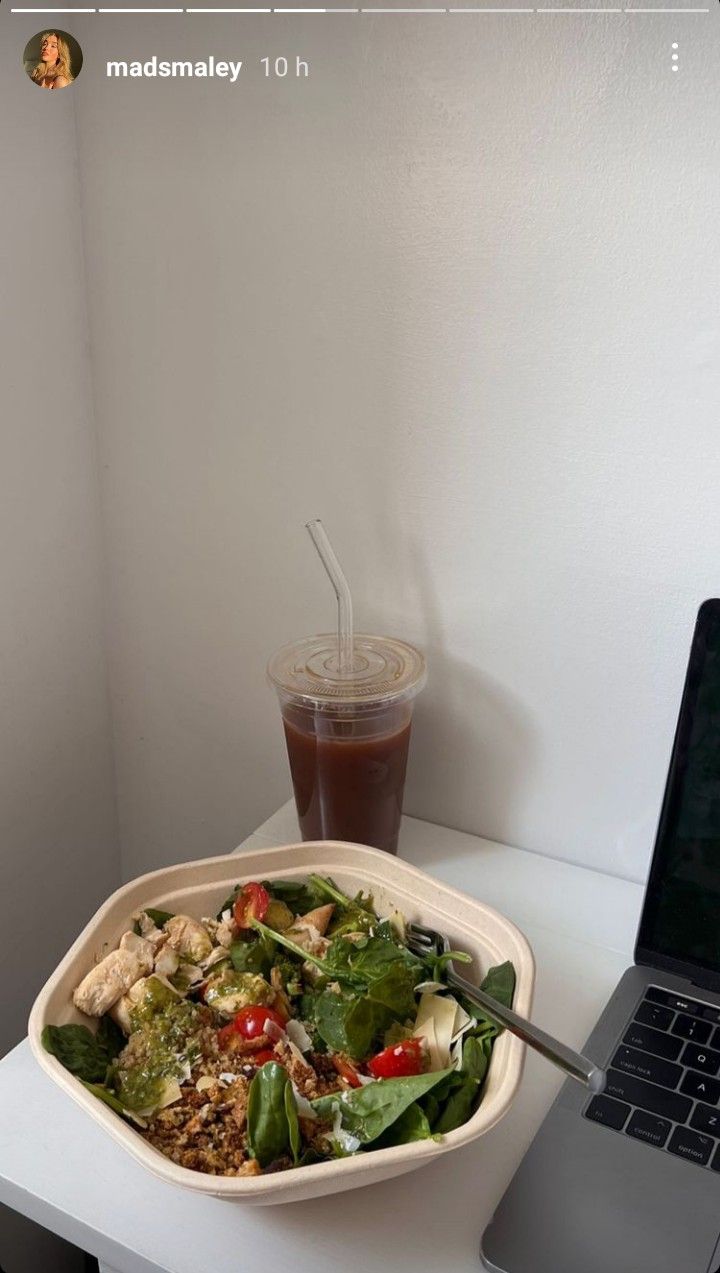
(572, 1063)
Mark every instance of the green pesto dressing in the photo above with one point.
(162, 1045)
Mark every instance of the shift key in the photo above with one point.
(625, 1087)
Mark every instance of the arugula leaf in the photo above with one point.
(268, 1129)
(299, 898)
(158, 917)
(361, 902)
(103, 1094)
(84, 1054)
(283, 940)
(352, 914)
(368, 1111)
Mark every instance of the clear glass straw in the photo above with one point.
(317, 533)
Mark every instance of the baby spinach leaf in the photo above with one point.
(253, 956)
(158, 917)
(412, 1125)
(83, 1053)
(309, 1157)
(500, 983)
(292, 1120)
(348, 1022)
(110, 1037)
(268, 1131)
(395, 990)
(368, 1111)
(461, 1098)
(458, 1107)
(476, 1057)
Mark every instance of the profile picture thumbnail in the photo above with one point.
(52, 59)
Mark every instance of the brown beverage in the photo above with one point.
(347, 786)
(348, 736)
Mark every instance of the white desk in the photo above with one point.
(62, 1171)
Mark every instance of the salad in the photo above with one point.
(293, 1028)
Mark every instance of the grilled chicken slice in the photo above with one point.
(113, 976)
(309, 930)
(188, 937)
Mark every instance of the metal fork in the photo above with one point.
(427, 941)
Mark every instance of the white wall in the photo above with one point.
(456, 294)
(58, 832)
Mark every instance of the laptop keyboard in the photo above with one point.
(663, 1082)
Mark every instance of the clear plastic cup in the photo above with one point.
(348, 735)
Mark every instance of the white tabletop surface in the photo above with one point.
(60, 1169)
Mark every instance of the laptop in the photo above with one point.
(629, 1181)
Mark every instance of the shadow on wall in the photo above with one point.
(474, 744)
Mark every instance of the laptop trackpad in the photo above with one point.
(590, 1200)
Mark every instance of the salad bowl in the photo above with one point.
(197, 889)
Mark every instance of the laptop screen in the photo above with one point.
(681, 916)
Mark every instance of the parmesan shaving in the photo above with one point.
(435, 1021)
(298, 1035)
(170, 1093)
(347, 1142)
(304, 1108)
(273, 1031)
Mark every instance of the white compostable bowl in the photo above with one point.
(199, 888)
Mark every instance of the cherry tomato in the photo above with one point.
(250, 1022)
(399, 1060)
(251, 903)
(346, 1070)
(266, 1054)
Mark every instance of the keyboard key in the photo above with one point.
(706, 1119)
(602, 1109)
(715, 1164)
(648, 1127)
(654, 1014)
(624, 1087)
(671, 1000)
(692, 1028)
(652, 1068)
(701, 1087)
(641, 1036)
(703, 1059)
(691, 1145)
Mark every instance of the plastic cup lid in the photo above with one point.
(385, 670)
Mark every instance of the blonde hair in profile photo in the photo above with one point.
(63, 66)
